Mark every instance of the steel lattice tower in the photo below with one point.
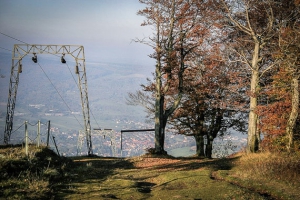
(19, 52)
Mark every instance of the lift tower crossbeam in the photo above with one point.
(19, 52)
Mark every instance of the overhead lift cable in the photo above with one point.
(77, 52)
(78, 88)
(22, 50)
(13, 38)
(59, 94)
(62, 62)
(6, 49)
(35, 60)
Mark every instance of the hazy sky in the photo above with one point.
(104, 27)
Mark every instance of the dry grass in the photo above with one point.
(28, 177)
(271, 166)
(276, 174)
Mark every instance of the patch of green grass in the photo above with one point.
(122, 180)
(196, 185)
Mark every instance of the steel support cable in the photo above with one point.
(59, 94)
(12, 37)
(94, 118)
(72, 75)
(18, 128)
(51, 138)
(79, 89)
(24, 43)
(6, 49)
(55, 144)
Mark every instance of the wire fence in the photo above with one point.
(38, 133)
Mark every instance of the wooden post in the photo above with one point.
(48, 133)
(38, 133)
(121, 143)
(26, 139)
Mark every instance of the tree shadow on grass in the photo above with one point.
(93, 171)
(87, 170)
(197, 163)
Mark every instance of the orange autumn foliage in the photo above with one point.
(275, 112)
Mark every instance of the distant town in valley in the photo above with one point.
(108, 143)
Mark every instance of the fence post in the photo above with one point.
(48, 133)
(121, 144)
(38, 133)
(26, 139)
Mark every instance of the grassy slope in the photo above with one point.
(32, 176)
(149, 178)
(47, 176)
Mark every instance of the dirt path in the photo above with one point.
(149, 178)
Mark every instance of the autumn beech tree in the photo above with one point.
(201, 111)
(178, 35)
(212, 102)
(280, 113)
(289, 48)
(252, 22)
(292, 63)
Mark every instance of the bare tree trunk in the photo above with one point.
(215, 127)
(158, 95)
(163, 123)
(208, 148)
(165, 113)
(290, 128)
(159, 132)
(259, 35)
(253, 138)
(199, 145)
(166, 63)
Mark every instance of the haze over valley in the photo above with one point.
(48, 91)
(115, 65)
